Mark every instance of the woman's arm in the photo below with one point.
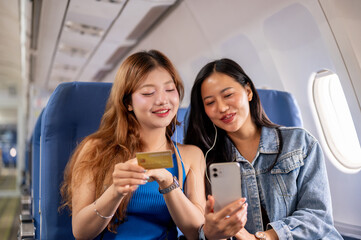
(90, 216)
(186, 209)
(86, 223)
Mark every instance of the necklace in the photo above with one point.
(160, 146)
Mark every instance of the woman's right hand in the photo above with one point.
(227, 222)
(128, 176)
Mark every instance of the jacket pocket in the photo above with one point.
(288, 162)
(284, 178)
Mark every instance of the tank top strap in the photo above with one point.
(180, 163)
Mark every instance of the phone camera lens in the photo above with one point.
(215, 175)
(215, 169)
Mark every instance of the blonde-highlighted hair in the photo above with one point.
(117, 138)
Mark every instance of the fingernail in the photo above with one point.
(145, 181)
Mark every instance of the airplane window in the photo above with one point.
(336, 122)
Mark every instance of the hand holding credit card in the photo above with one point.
(152, 160)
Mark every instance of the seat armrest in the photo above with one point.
(26, 228)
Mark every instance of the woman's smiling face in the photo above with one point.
(226, 102)
(155, 102)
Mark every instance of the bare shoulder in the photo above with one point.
(190, 153)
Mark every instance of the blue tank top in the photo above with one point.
(147, 213)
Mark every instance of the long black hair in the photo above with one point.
(201, 130)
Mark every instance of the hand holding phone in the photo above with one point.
(226, 183)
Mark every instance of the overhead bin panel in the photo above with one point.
(79, 39)
(136, 18)
(82, 32)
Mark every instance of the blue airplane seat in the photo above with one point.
(74, 111)
(35, 174)
(281, 107)
(178, 134)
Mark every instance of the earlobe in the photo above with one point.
(130, 108)
(249, 92)
(250, 95)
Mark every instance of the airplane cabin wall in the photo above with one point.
(280, 44)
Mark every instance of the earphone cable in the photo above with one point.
(205, 157)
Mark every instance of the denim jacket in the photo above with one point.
(295, 192)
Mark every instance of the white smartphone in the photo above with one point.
(226, 183)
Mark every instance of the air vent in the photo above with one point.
(72, 51)
(65, 67)
(147, 21)
(83, 29)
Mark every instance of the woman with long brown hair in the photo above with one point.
(109, 194)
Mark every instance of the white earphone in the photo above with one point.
(205, 156)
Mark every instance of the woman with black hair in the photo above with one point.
(284, 181)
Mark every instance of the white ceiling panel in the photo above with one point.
(51, 18)
(100, 59)
(88, 38)
(94, 13)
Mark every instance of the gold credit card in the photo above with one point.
(152, 160)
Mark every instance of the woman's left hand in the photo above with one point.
(226, 222)
(163, 177)
(243, 234)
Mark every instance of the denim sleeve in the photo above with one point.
(312, 218)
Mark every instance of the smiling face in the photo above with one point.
(226, 102)
(155, 102)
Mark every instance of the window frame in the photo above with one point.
(340, 157)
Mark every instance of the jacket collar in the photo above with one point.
(268, 144)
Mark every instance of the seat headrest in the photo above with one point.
(281, 107)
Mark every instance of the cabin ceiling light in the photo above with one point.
(61, 79)
(72, 51)
(66, 67)
(83, 29)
